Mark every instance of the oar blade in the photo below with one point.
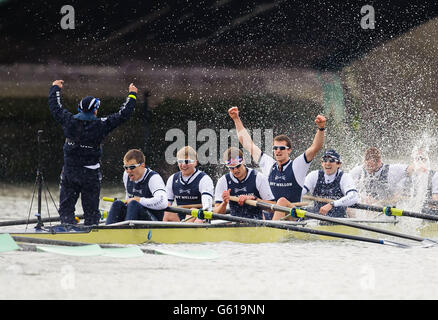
(7, 243)
(189, 254)
(78, 251)
(395, 244)
(428, 243)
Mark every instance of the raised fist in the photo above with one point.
(233, 112)
(133, 88)
(58, 83)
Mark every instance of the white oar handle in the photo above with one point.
(248, 202)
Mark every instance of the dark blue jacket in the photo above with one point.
(84, 132)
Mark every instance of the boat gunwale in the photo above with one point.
(141, 224)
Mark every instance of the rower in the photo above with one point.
(146, 196)
(378, 181)
(188, 186)
(242, 182)
(422, 183)
(333, 183)
(286, 176)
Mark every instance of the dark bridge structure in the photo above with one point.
(321, 34)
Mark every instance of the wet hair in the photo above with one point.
(232, 153)
(373, 153)
(134, 154)
(187, 153)
(283, 137)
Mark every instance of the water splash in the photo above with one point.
(418, 184)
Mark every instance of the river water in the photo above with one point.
(301, 270)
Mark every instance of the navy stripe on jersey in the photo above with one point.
(284, 184)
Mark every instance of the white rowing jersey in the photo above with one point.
(420, 183)
(255, 183)
(383, 183)
(150, 188)
(262, 186)
(346, 186)
(287, 182)
(195, 189)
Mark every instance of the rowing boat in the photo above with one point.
(138, 232)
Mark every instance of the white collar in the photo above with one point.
(145, 173)
(284, 166)
(332, 176)
(186, 180)
(248, 171)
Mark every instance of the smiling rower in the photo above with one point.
(189, 185)
(333, 183)
(146, 196)
(242, 182)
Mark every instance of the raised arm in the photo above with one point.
(318, 140)
(126, 110)
(243, 135)
(60, 114)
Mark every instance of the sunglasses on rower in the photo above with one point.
(185, 161)
(235, 167)
(280, 148)
(329, 159)
(132, 166)
(234, 163)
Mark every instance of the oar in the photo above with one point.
(109, 199)
(7, 243)
(202, 214)
(188, 219)
(103, 214)
(299, 213)
(389, 211)
(29, 221)
(121, 250)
